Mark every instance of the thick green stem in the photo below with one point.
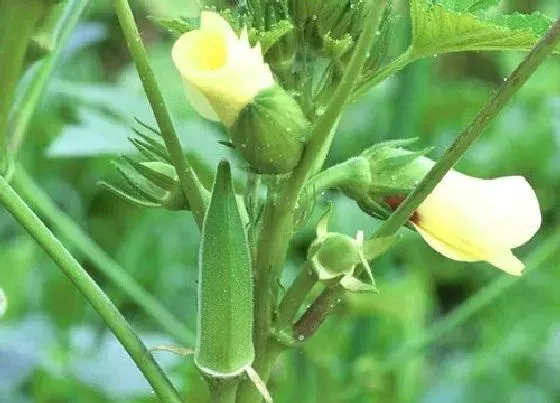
(90, 290)
(319, 310)
(475, 304)
(353, 173)
(17, 24)
(59, 221)
(279, 212)
(295, 297)
(190, 183)
(384, 73)
(53, 39)
(223, 390)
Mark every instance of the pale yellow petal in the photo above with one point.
(199, 102)
(226, 72)
(498, 213)
(472, 219)
(451, 251)
(507, 262)
(210, 21)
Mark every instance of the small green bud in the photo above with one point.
(334, 256)
(271, 132)
(224, 346)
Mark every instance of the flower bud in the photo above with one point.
(395, 169)
(227, 80)
(334, 256)
(224, 346)
(271, 132)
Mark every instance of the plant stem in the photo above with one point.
(354, 172)
(90, 290)
(223, 390)
(384, 73)
(59, 221)
(295, 297)
(189, 181)
(17, 24)
(473, 305)
(319, 310)
(279, 212)
(27, 104)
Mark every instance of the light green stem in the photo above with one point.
(295, 297)
(59, 221)
(320, 309)
(352, 173)
(384, 73)
(17, 24)
(55, 40)
(190, 183)
(279, 212)
(482, 299)
(90, 290)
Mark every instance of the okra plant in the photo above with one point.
(277, 76)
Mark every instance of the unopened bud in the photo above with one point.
(271, 132)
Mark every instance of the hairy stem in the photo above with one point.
(223, 390)
(295, 297)
(384, 73)
(90, 290)
(319, 310)
(62, 223)
(279, 211)
(190, 183)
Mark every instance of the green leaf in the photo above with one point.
(454, 26)
(269, 38)
(176, 26)
(468, 6)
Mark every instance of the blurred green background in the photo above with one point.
(54, 348)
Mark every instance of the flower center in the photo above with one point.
(210, 52)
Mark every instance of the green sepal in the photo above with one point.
(352, 284)
(334, 255)
(154, 184)
(175, 26)
(224, 346)
(269, 38)
(271, 132)
(394, 170)
(127, 197)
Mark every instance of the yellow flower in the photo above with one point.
(221, 72)
(472, 219)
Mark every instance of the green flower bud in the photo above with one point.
(224, 346)
(271, 132)
(393, 169)
(334, 256)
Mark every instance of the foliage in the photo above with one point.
(55, 348)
